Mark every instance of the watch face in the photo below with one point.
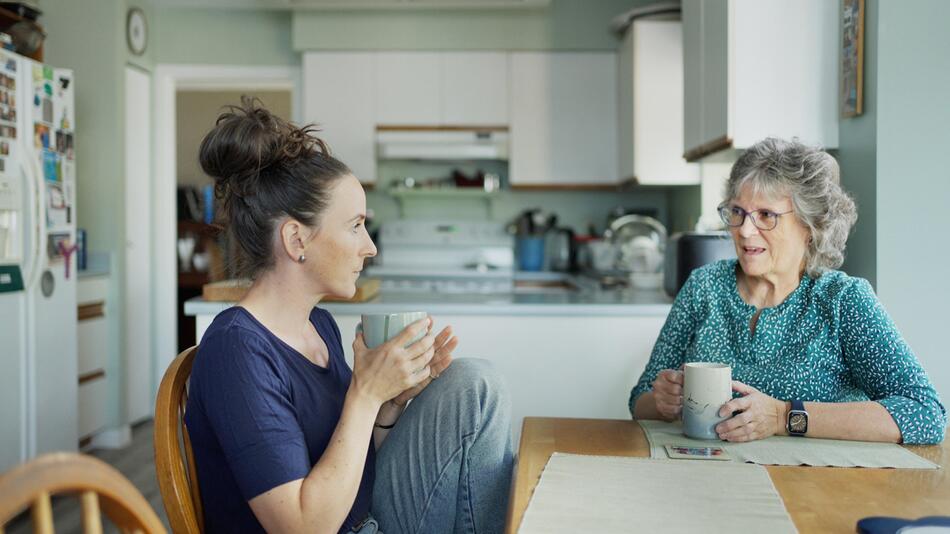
(797, 423)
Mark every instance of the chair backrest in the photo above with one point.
(101, 488)
(174, 462)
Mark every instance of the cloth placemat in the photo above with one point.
(580, 493)
(788, 450)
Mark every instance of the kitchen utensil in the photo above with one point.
(560, 250)
(530, 252)
(689, 250)
(640, 242)
(603, 255)
(186, 248)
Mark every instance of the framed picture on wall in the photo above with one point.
(852, 58)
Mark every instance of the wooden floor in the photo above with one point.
(136, 462)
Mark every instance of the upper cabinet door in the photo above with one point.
(474, 88)
(651, 104)
(764, 68)
(408, 88)
(692, 74)
(338, 96)
(789, 87)
(563, 118)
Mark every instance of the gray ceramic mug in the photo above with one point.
(379, 328)
(706, 387)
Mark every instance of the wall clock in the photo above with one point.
(136, 31)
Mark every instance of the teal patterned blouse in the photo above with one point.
(829, 341)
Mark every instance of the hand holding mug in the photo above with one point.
(760, 415)
(397, 365)
(668, 393)
(445, 343)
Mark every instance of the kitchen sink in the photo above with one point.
(558, 286)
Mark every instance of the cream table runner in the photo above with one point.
(591, 494)
(786, 450)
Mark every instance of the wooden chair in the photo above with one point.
(100, 487)
(174, 462)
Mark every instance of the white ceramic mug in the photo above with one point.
(379, 328)
(706, 387)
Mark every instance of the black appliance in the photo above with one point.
(686, 251)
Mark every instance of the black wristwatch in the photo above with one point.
(797, 422)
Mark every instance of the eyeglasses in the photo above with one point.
(734, 216)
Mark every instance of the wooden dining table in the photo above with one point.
(818, 499)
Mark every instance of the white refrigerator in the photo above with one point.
(38, 347)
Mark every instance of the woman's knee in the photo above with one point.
(480, 381)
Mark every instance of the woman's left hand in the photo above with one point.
(445, 343)
(759, 417)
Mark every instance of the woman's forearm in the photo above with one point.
(388, 414)
(331, 487)
(863, 421)
(320, 501)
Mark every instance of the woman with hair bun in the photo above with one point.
(286, 437)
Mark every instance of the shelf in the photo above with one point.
(193, 279)
(9, 18)
(200, 228)
(422, 200)
(443, 192)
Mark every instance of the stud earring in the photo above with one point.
(301, 259)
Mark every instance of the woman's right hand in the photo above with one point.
(668, 393)
(383, 372)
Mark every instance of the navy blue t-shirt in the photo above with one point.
(260, 414)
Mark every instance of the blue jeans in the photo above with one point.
(446, 465)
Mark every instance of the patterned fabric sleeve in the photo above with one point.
(883, 365)
(670, 348)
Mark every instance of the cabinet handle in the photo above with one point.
(91, 375)
(705, 149)
(91, 310)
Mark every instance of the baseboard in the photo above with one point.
(112, 438)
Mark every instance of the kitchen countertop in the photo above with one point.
(97, 264)
(589, 300)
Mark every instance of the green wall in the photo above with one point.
(564, 25)
(894, 160)
(89, 38)
(857, 156)
(913, 185)
(223, 37)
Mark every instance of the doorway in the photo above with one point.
(204, 254)
(169, 80)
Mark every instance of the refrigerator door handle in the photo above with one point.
(34, 214)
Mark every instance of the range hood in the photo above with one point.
(442, 143)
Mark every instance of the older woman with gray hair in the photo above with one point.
(813, 353)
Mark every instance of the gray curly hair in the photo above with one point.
(810, 176)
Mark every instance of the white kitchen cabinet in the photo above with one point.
(759, 68)
(554, 366)
(92, 335)
(339, 95)
(408, 88)
(474, 88)
(563, 118)
(651, 105)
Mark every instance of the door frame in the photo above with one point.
(168, 80)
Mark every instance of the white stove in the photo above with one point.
(445, 257)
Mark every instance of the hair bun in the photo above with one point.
(248, 139)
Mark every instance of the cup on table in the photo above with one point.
(379, 328)
(706, 387)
